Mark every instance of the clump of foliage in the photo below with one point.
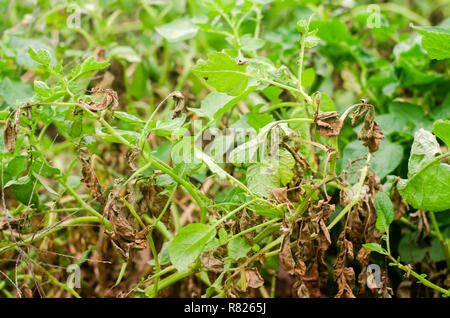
(225, 149)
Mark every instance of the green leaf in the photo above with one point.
(428, 179)
(441, 128)
(89, 64)
(238, 248)
(128, 118)
(124, 53)
(262, 178)
(286, 163)
(385, 212)
(188, 244)
(436, 41)
(178, 30)
(375, 247)
(379, 164)
(311, 41)
(223, 73)
(15, 92)
(250, 43)
(41, 56)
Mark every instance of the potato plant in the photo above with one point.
(225, 149)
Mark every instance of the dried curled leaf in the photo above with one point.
(9, 136)
(109, 100)
(328, 124)
(211, 263)
(91, 181)
(254, 279)
(371, 133)
(280, 194)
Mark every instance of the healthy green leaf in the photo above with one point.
(428, 179)
(223, 73)
(441, 128)
(375, 247)
(436, 41)
(178, 30)
(188, 244)
(385, 212)
(238, 248)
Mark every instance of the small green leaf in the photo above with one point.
(223, 73)
(375, 247)
(441, 128)
(188, 244)
(385, 212)
(178, 30)
(238, 248)
(41, 56)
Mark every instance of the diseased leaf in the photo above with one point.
(188, 244)
(223, 73)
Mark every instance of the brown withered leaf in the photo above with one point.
(9, 136)
(302, 291)
(400, 205)
(345, 279)
(211, 263)
(254, 279)
(91, 181)
(17, 116)
(179, 106)
(328, 124)
(419, 218)
(371, 134)
(280, 194)
(109, 99)
(285, 254)
(363, 256)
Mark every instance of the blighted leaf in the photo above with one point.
(428, 179)
(9, 136)
(211, 263)
(254, 279)
(102, 99)
(280, 194)
(385, 211)
(188, 244)
(178, 30)
(223, 73)
(91, 181)
(328, 124)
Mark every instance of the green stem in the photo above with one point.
(444, 244)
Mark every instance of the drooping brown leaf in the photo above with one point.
(254, 279)
(91, 181)
(419, 218)
(285, 254)
(280, 194)
(211, 263)
(9, 136)
(179, 104)
(102, 99)
(371, 134)
(328, 124)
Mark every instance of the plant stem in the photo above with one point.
(444, 244)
